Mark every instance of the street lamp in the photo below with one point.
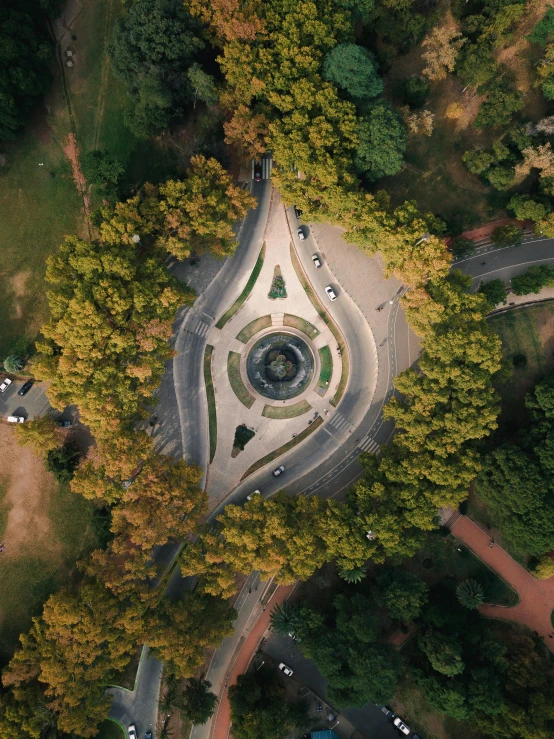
(425, 237)
(135, 238)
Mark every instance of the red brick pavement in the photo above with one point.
(536, 596)
(222, 720)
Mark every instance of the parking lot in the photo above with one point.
(33, 404)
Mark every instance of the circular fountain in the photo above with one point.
(280, 366)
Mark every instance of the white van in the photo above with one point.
(15, 419)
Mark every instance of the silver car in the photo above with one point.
(279, 470)
(316, 260)
(301, 234)
(288, 672)
(330, 293)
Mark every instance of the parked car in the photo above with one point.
(5, 385)
(316, 260)
(258, 171)
(256, 492)
(401, 726)
(330, 293)
(387, 711)
(288, 672)
(131, 730)
(148, 735)
(64, 424)
(279, 470)
(15, 419)
(24, 389)
(297, 212)
(301, 234)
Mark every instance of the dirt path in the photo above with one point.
(536, 596)
(222, 720)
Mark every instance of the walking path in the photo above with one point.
(222, 720)
(536, 596)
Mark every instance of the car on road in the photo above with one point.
(316, 260)
(256, 492)
(64, 424)
(387, 711)
(24, 389)
(279, 470)
(16, 419)
(301, 235)
(6, 382)
(132, 731)
(258, 171)
(331, 294)
(401, 726)
(288, 672)
(297, 212)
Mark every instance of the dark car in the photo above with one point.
(148, 735)
(24, 389)
(297, 212)
(64, 424)
(258, 171)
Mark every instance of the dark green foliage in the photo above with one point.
(242, 436)
(476, 65)
(470, 593)
(154, 44)
(494, 291)
(503, 236)
(525, 208)
(198, 703)
(501, 177)
(285, 618)
(402, 593)
(413, 91)
(14, 363)
(543, 32)
(360, 9)
(62, 461)
(478, 161)
(503, 100)
(25, 56)
(259, 707)
(354, 69)
(383, 142)
(102, 170)
(354, 575)
(533, 280)
(487, 164)
(461, 247)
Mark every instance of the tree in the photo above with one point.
(419, 122)
(442, 47)
(102, 169)
(470, 593)
(526, 208)
(41, 433)
(202, 84)
(354, 575)
(443, 652)
(154, 45)
(494, 291)
(402, 593)
(414, 91)
(285, 618)
(62, 461)
(14, 364)
(198, 702)
(354, 69)
(544, 29)
(502, 101)
(259, 707)
(462, 247)
(476, 65)
(533, 280)
(503, 236)
(544, 569)
(382, 142)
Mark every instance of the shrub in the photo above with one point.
(461, 247)
(503, 236)
(545, 568)
(242, 436)
(413, 91)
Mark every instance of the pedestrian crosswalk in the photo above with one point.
(340, 423)
(368, 445)
(266, 165)
(198, 327)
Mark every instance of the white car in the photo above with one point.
(330, 293)
(256, 492)
(301, 234)
(401, 726)
(279, 470)
(288, 672)
(6, 382)
(16, 419)
(316, 261)
(131, 730)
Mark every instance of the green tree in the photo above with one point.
(462, 247)
(494, 291)
(502, 177)
(470, 593)
(383, 142)
(198, 701)
(14, 363)
(285, 618)
(533, 280)
(202, 85)
(354, 69)
(526, 208)
(102, 169)
(62, 461)
(353, 576)
(543, 32)
(402, 593)
(503, 236)
(476, 65)
(41, 433)
(414, 91)
(502, 101)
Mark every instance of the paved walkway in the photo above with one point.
(222, 720)
(536, 596)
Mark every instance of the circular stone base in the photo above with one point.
(280, 365)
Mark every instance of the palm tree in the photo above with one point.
(163, 730)
(352, 576)
(470, 593)
(14, 363)
(285, 619)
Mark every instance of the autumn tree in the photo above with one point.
(41, 433)
(441, 49)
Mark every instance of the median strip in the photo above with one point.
(239, 388)
(239, 302)
(210, 394)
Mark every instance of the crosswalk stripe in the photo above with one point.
(368, 445)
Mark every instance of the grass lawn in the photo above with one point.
(286, 411)
(301, 325)
(439, 558)
(110, 730)
(251, 329)
(326, 371)
(210, 394)
(239, 388)
(239, 302)
(528, 331)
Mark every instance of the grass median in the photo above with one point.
(283, 449)
(210, 394)
(286, 411)
(315, 301)
(252, 328)
(300, 324)
(326, 367)
(239, 388)
(239, 302)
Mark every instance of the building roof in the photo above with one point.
(327, 734)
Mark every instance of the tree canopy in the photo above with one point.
(354, 69)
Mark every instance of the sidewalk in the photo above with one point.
(536, 596)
